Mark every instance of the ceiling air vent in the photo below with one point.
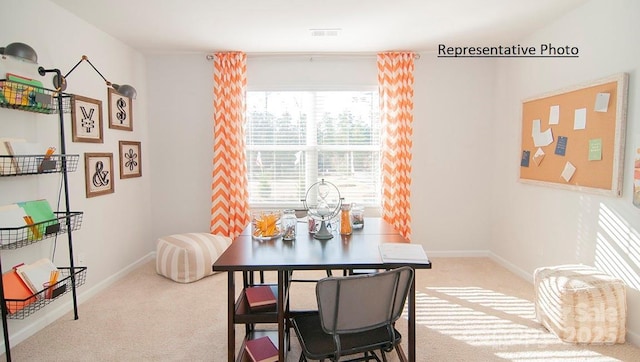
(325, 32)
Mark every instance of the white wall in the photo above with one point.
(453, 134)
(181, 134)
(535, 226)
(116, 227)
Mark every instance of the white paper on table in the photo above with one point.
(602, 102)
(569, 170)
(554, 114)
(580, 119)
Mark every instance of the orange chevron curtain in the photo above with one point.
(395, 86)
(229, 188)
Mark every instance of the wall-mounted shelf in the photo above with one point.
(21, 165)
(43, 297)
(18, 237)
(32, 99)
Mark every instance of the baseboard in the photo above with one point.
(458, 254)
(54, 313)
(482, 254)
(511, 267)
(88, 293)
(633, 338)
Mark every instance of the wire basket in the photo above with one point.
(21, 165)
(30, 98)
(25, 307)
(17, 237)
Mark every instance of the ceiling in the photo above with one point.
(285, 26)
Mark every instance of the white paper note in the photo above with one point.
(580, 119)
(554, 114)
(541, 139)
(538, 156)
(569, 170)
(535, 127)
(602, 102)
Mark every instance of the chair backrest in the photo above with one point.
(361, 302)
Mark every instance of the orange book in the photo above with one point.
(15, 288)
(260, 296)
(261, 350)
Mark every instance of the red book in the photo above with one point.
(260, 296)
(261, 350)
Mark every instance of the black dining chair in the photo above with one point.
(356, 316)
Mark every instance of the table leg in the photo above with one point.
(281, 316)
(412, 321)
(231, 331)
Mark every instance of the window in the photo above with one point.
(297, 138)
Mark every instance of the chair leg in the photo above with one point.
(384, 355)
(401, 355)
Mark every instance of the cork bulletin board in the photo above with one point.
(574, 138)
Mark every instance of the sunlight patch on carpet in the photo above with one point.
(490, 320)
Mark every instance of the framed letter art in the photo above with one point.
(120, 111)
(98, 171)
(130, 159)
(86, 119)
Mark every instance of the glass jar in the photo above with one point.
(313, 225)
(357, 216)
(265, 224)
(345, 220)
(289, 223)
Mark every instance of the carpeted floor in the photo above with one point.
(468, 309)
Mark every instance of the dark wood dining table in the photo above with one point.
(352, 252)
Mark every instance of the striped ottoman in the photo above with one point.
(581, 304)
(188, 257)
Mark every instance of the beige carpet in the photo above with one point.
(469, 309)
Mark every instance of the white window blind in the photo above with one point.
(296, 138)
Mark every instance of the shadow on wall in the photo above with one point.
(617, 247)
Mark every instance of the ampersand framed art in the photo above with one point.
(98, 171)
(86, 119)
(120, 111)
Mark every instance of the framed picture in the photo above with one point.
(130, 159)
(120, 111)
(98, 171)
(86, 119)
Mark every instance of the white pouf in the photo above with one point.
(188, 257)
(581, 304)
